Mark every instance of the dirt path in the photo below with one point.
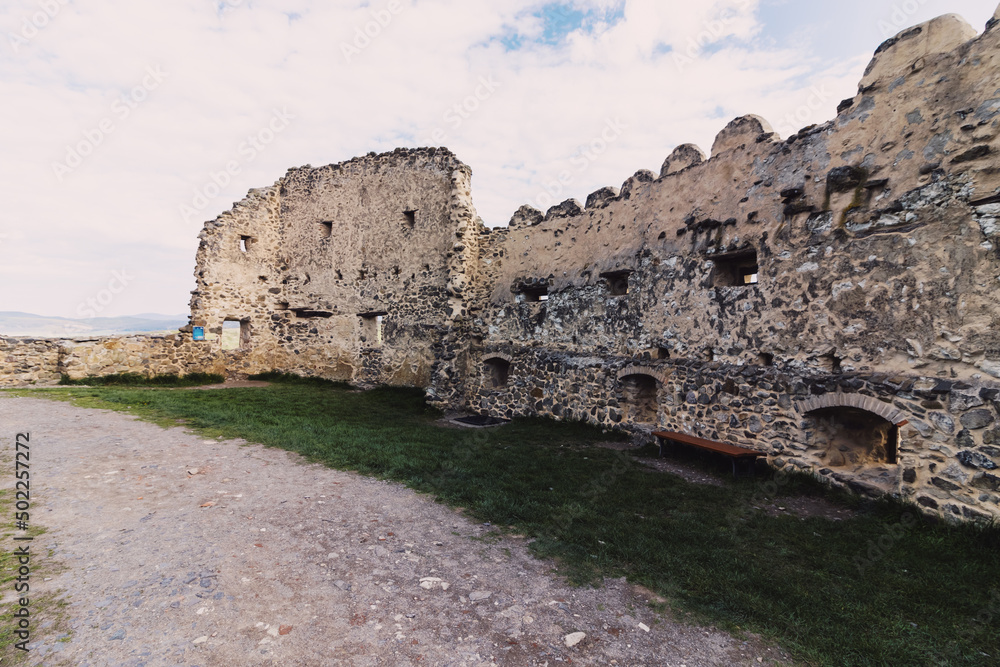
(175, 550)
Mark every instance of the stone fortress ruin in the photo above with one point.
(828, 298)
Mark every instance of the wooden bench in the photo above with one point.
(734, 452)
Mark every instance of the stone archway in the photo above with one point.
(884, 410)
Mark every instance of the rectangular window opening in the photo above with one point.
(736, 270)
(410, 218)
(830, 362)
(236, 334)
(617, 282)
(535, 294)
(326, 229)
(245, 242)
(372, 328)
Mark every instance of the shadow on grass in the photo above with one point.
(885, 587)
(138, 380)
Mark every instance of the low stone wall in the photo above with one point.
(42, 361)
(932, 441)
(25, 361)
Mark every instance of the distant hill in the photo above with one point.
(27, 324)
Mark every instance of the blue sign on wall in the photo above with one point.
(198, 333)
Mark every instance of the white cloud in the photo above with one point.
(229, 67)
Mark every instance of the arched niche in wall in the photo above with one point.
(853, 430)
(640, 389)
(496, 371)
(852, 438)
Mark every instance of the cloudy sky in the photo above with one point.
(128, 123)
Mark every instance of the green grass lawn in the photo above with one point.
(882, 588)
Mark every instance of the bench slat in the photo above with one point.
(720, 447)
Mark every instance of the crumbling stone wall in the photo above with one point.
(354, 271)
(28, 361)
(43, 361)
(790, 295)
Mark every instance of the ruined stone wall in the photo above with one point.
(28, 361)
(42, 361)
(353, 271)
(828, 298)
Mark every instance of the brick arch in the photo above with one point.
(859, 401)
(654, 373)
(498, 355)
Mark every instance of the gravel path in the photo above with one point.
(173, 550)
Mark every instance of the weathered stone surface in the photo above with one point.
(740, 132)
(682, 157)
(919, 43)
(975, 460)
(965, 439)
(986, 481)
(976, 419)
(601, 198)
(962, 400)
(942, 421)
(845, 178)
(566, 209)
(944, 484)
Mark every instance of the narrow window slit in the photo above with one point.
(372, 328)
